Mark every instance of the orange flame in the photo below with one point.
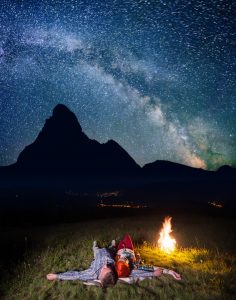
(166, 242)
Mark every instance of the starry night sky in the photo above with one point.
(158, 77)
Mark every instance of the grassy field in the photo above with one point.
(205, 258)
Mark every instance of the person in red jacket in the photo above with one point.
(129, 266)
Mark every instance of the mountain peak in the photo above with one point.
(63, 114)
(63, 148)
(59, 139)
(61, 109)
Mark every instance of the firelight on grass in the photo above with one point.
(166, 243)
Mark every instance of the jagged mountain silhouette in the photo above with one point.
(63, 147)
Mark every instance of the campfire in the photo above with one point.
(166, 243)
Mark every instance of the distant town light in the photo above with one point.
(216, 204)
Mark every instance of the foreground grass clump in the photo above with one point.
(208, 270)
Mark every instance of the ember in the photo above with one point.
(166, 242)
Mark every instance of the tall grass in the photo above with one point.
(204, 257)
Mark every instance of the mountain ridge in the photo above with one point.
(62, 148)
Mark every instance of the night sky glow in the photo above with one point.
(158, 77)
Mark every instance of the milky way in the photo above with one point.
(158, 77)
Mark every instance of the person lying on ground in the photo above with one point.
(129, 265)
(102, 271)
(126, 259)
